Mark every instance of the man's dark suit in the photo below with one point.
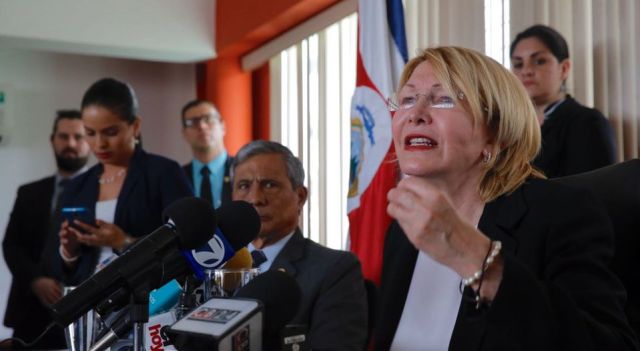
(226, 182)
(334, 301)
(556, 292)
(152, 182)
(575, 139)
(26, 236)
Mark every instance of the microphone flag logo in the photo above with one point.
(210, 255)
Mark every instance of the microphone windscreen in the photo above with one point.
(194, 220)
(239, 222)
(242, 259)
(279, 293)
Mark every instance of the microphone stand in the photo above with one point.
(138, 316)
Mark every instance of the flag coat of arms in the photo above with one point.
(382, 53)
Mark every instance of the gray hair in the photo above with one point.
(295, 171)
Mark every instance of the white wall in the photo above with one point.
(157, 30)
(38, 83)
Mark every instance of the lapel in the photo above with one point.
(48, 188)
(500, 220)
(188, 170)
(502, 216)
(85, 189)
(292, 252)
(47, 209)
(226, 181)
(562, 113)
(397, 271)
(134, 175)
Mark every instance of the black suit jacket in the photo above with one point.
(152, 182)
(334, 300)
(24, 241)
(226, 182)
(575, 139)
(556, 292)
(618, 187)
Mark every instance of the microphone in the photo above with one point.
(188, 223)
(280, 294)
(242, 259)
(174, 266)
(238, 225)
(239, 222)
(236, 320)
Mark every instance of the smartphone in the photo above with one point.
(82, 214)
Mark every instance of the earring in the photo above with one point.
(486, 156)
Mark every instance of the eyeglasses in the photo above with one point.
(402, 101)
(195, 121)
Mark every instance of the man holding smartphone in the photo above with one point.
(29, 228)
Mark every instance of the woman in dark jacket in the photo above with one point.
(575, 138)
(127, 190)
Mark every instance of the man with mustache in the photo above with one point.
(28, 231)
(334, 300)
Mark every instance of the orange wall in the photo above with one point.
(242, 26)
(261, 94)
(227, 86)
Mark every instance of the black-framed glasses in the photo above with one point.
(194, 122)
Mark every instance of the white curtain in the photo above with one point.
(603, 43)
(444, 22)
(311, 87)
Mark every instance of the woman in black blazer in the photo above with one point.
(575, 138)
(127, 190)
(484, 254)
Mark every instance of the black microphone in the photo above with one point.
(238, 224)
(189, 226)
(280, 294)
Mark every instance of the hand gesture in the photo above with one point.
(433, 225)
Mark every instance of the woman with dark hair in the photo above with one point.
(575, 138)
(127, 190)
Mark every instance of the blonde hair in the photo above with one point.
(494, 97)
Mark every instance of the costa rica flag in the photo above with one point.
(382, 53)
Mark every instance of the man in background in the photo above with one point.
(208, 172)
(28, 231)
(334, 300)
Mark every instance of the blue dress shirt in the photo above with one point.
(216, 177)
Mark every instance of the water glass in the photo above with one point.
(225, 282)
